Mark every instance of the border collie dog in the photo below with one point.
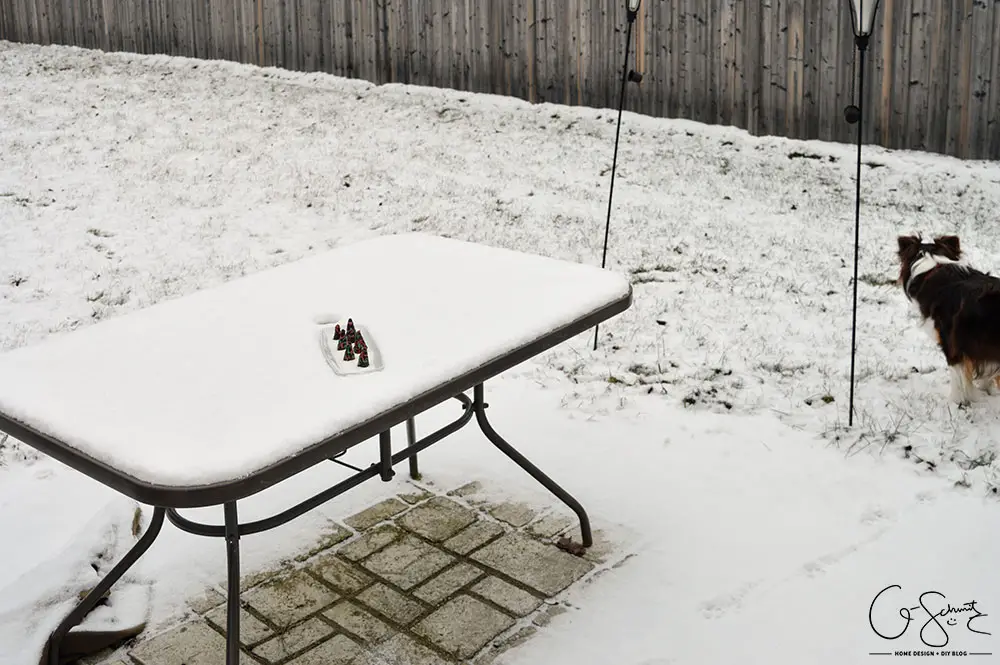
(959, 307)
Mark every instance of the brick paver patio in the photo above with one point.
(418, 579)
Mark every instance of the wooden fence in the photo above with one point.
(778, 67)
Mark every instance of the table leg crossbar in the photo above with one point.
(232, 530)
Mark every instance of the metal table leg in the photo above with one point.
(411, 438)
(233, 592)
(90, 601)
(479, 405)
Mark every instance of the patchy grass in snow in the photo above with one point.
(740, 248)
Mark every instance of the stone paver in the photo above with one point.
(205, 600)
(506, 595)
(332, 535)
(288, 599)
(463, 626)
(344, 577)
(475, 535)
(437, 519)
(252, 629)
(390, 603)
(370, 542)
(372, 515)
(355, 620)
(407, 562)
(416, 496)
(544, 568)
(295, 640)
(338, 650)
(440, 587)
(513, 513)
(401, 650)
(549, 526)
(467, 490)
(190, 644)
(550, 613)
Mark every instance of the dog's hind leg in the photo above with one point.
(963, 389)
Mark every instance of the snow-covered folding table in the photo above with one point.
(209, 398)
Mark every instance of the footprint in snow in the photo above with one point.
(716, 607)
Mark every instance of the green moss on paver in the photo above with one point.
(547, 615)
(448, 582)
(252, 629)
(541, 567)
(407, 562)
(516, 514)
(341, 575)
(355, 620)
(437, 519)
(391, 604)
(513, 599)
(289, 599)
(372, 515)
(189, 644)
(291, 642)
(463, 626)
(468, 489)
(549, 526)
(401, 650)
(338, 650)
(370, 542)
(415, 496)
(475, 535)
(206, 600)
(332, 535)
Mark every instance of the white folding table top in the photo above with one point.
(217, 385)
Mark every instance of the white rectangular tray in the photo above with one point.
(335, 358)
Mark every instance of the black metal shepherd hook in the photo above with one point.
(862, 20)
(632, 10)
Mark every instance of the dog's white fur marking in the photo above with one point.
(927, 262)
(929, 327)
(962, 389)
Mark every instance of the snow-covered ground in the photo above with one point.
(709, 429)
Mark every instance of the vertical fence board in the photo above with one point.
(7, 21)
(811, 83)
(27, 17)
(953, 119)
(750, 69)
(900, 76)
(492, 60)
(938, 83)
(829, 64)
(919, 74)
(659, 84)
(765, 51)
(703, 61)
(724, 21)
(979, 80)
(993, 123)
(780, 66)
(794, 107)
